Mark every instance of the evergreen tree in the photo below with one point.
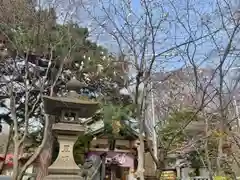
(39, 42)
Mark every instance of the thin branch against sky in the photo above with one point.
(194, 14)
(172, 32)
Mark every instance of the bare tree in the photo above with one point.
(143, 32)
(221, 57)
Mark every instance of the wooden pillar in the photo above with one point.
(103, 168)
(113, 172)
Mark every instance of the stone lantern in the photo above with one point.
(67, 128)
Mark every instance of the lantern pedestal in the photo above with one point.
(64, 167)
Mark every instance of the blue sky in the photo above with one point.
(176, 33)
(136, 4)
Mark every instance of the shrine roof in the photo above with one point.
(97, 128)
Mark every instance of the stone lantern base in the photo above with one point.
(63, 177)
(64, 167)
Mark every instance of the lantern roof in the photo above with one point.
(54, 105)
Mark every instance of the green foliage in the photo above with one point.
(174, 123)
(171, 141)
(195, 158)
(68, 39)
(116, 113)
(80, 147)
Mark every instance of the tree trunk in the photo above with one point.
(140, 148)
(6, 149)
(161, 162)
(209, 164)
(220, 148)
(219, 156)
(15, 159)
(45, 157)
